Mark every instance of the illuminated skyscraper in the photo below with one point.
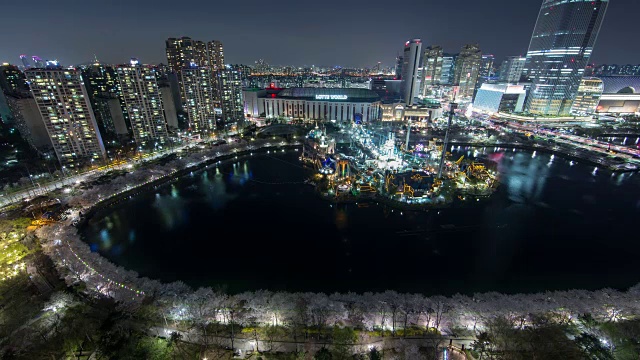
(143, 104)
(468, 65)
(199, 93)
(411, 56)
(560, 48)
(64, 105)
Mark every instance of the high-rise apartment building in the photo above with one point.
(12, 80)
(27, 120)
(101, 82)
(143, 104)
(229, 83)
(200, 96)
(184, 51)
(560, 48)
(411, 62)
(100, 79)
(169, 106)
(215, 55)
(467, 71)
(511, 69)
(64, 105)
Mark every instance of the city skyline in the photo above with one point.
(350, 39)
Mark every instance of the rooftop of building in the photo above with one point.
(330, 94)
(504, 87)
(620, 84)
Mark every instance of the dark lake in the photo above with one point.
(252, 224)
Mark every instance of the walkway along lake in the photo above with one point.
(253, 224)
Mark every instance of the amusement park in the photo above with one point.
(370, 165)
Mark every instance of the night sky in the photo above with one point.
(296, 32)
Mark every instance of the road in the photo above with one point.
(573, 143)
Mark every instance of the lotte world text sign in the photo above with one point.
(331, 97)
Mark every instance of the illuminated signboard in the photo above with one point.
(331, 97)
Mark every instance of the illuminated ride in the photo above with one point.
(327, 166)
(476, 175)
(411, 185)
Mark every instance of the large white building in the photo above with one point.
(199, 94)
(64, 105)
(620, 95)
(322, 104)
(143, 103)
(500, 98)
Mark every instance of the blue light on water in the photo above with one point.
(104, 235)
